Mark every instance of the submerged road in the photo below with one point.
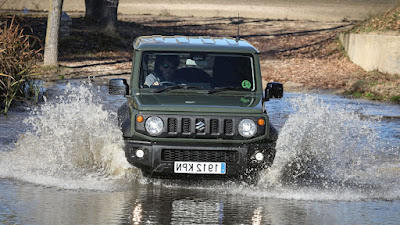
(337, 163)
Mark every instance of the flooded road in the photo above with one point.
(337, 162)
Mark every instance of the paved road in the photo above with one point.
(318, 10)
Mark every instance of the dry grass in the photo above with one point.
(387, 22)
(18, 61)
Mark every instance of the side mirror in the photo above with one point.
(273, 90)
(118, 87)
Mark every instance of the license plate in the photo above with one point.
(200, 167)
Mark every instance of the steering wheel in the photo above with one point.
(167, 83)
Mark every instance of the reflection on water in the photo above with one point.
(337, 163)
(137, 214)
(143, 204)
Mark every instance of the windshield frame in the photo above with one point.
(141, 76)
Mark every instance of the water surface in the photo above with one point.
(337, 162)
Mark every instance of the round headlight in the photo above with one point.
(154, 125)
(247, 128)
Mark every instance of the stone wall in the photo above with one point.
(373, 51)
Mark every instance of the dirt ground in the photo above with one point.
(303, 55)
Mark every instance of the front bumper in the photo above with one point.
(159, 158)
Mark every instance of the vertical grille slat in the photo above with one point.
(172, 125)
(186, 125)
(214, 126)
(228, 127)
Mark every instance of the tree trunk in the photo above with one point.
(104, 12)
(93, 7)
(53, 27)
(109, 19)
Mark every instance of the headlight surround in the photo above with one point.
(247, 128)
(154, 125)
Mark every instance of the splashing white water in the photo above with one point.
(323, 145)
(73, 144)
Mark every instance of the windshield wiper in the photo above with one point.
(219, 89)
(174, 87)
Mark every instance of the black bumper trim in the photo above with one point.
(155, 164)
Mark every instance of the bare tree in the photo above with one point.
(53, 27)
(103, 12)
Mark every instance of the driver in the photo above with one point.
(164, 69)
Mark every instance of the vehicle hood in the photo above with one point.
(179, 102)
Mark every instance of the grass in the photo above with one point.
(55, 72)
(366, 95)
(18, 59)
(387, 22)
(395, 98)
(377, 86)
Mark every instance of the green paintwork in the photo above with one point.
(196, 44)
(199, 102)
(195, 102)
(191, 44)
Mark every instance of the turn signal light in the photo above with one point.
(139, 119)
(261, 122)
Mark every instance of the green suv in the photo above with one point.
(195, 108)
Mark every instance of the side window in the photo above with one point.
(147, 67)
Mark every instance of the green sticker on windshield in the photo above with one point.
(245, 100)
(246, 84)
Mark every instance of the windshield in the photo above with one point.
(206, 71)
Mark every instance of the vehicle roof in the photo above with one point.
(191, 43)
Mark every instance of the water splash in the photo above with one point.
(73, 144)
(323, 146)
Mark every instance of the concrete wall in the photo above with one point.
(317, 10)
(373, 52)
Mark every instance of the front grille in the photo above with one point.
(171, 155)
(200, 127)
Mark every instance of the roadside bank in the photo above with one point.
(303, 55)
